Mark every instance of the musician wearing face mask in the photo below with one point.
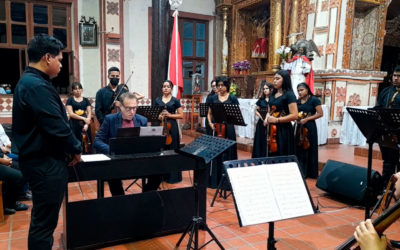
(105, 97)
(390, 98)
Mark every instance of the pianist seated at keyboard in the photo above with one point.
(124, 119)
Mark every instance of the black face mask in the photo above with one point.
(114, 81)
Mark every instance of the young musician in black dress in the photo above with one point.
(172, 111)
(79, 111)
(223, 84)
(282, 104)
(214, 91)
(310, 109)
(260, 137)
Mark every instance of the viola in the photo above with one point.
(303, 138)
(166, 130)
(220, 130)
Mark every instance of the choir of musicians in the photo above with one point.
(285, 126)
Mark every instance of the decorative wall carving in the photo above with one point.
(348, 34)
(392, 37)
(381, 33)
(113, 55)
(324, 5)
(354, 100)
(112, 8)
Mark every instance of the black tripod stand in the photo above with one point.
(193, 229)
(204, 149)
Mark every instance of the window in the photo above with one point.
(194, 53)
(21, 20)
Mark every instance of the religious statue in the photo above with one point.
(300, 64)
(260, 45)
(196, 84)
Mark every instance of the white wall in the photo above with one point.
(89, 57)
(136, 37)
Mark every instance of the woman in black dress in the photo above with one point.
(260, 137)
(214, 91)
(310, 109)
(172, 111)
(282, 104)
(223, 85)
(80, 113)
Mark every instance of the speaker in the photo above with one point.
(349, 181)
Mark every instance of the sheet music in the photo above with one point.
(94, 157)
(268, 193)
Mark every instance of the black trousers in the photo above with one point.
(12, 184)
(48, 179)
(153, 182)
(390, 157)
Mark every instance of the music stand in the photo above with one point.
(204, 149)
(230, 114)
(150, 112)
(371, 126)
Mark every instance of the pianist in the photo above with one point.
(124, 119)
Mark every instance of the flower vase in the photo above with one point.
(237, 71)
(243, 71)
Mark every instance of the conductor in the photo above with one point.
(43, 138)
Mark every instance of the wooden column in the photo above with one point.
(294, 21)
(160, 43)
(225, 48)
(275, 34)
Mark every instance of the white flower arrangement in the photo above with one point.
(283, 51)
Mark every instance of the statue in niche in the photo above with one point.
(260, 46)
(300, 64)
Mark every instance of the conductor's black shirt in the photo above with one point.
(40, 125)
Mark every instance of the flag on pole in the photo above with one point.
(175, 60)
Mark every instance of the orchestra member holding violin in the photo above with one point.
(260, 137)
(80, 115)
(365, 233)
(389, 98)
(310, 109)
(222, 130)
(124, 119)
(214, 91)
(172, 111)
(282, 104)
(105, 97)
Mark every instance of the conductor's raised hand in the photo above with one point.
(75, 160)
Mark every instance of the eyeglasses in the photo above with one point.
(129, 109)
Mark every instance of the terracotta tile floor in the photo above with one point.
(325, 230)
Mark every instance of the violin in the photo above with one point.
(220, 130)
(389, 193)
(166, 130)
(302, 133)
(380, 224)
(271, 140)
(86, 142)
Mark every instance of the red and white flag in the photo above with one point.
(175, 60)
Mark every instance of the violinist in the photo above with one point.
(214, 91)
(260, 137)
(283, 102)
(365, 233)
(106, 96)
(172, 111)
(223, 85)
(80, 112)
(310, 109)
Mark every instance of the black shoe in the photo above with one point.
(20, 206)
(9, 210)
(25, 197)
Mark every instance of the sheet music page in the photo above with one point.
(94, 157)
(268, 193)
(254, 198)
(289, 190)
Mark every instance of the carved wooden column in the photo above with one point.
(225, 49)
(161, 30)
(275, 34)
(294, 21)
